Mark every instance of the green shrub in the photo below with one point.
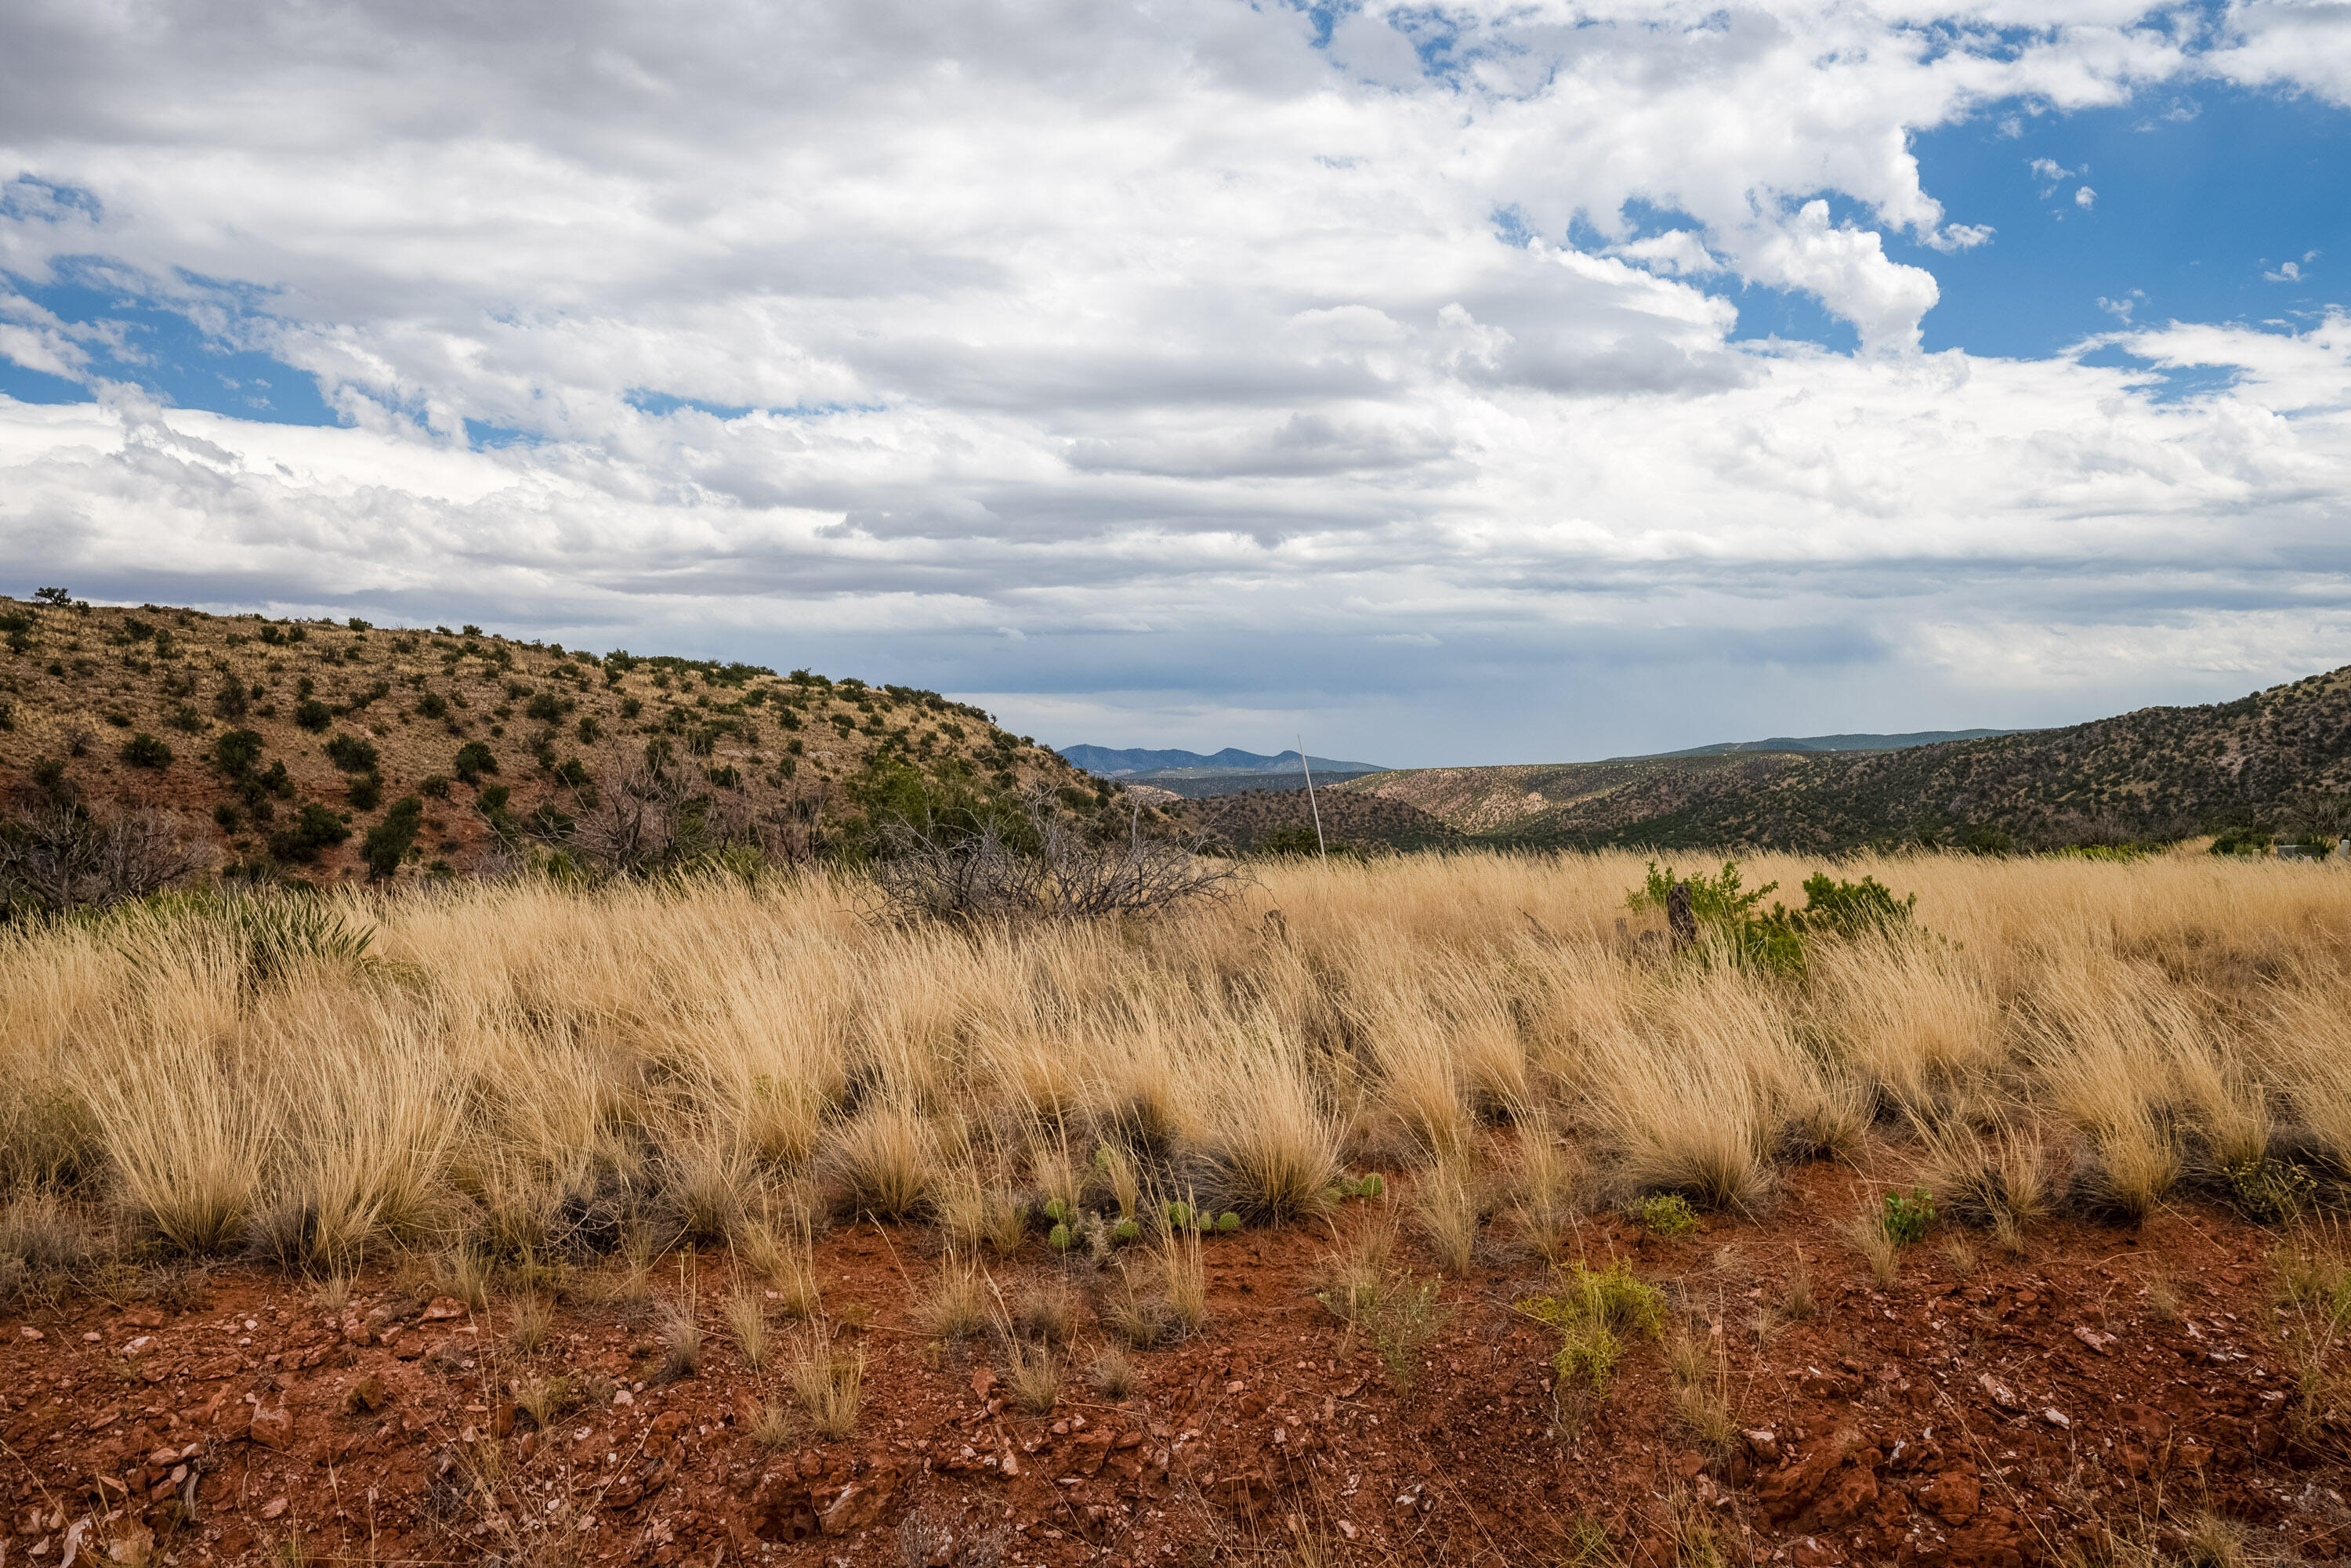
(1850, 908)
(432, 705)
(1666, 1214)
(312, 714)
(1907, 1216)
(2242, 841)
(367, 792)
(313, 830)
(226, 816)
(143, 750)
(1593, 1311)
(1774, 942)
(388, 843)
(352, 754)
(474, 760)
(543, 707)
(2271, 1192)
(436, 785)
(188, 720)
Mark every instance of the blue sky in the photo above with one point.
(1473, 383)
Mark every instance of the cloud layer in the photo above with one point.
(1160, 371)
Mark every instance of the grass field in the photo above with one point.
(523, 1069)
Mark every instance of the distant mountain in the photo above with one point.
(2278, 759)
(1110, 762)
(1826, 743)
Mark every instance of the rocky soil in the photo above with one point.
(2106, 1387)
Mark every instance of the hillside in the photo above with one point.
(285, 743)
(1242, 821)
(1863, 742)
(1111, 762)
(2279, 758)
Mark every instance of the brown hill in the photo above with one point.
(1244, 821)
(270, 737)
(2278, 759)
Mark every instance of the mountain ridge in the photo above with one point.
(1121, 762)
(1856, 742)
(2280, 757)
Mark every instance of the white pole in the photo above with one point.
(1320, 847)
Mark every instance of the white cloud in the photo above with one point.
(2084, 197)
(1117, 349)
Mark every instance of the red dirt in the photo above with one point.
(2001, 1417)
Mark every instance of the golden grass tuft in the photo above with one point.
(1445, 1204)
(828, 1380)
(955, 1307)
(884, 1161)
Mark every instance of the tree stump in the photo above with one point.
(1678, 915)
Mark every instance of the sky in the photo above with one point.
(1490, 382)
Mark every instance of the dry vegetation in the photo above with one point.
(520, 1069)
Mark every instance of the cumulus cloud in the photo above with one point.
(1197, 350)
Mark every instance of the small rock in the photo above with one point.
(139, 1346)
(443, 1308)
(408, 1347)
(982, 1381)
(1347, 1530)
(92, 1337)
(273, 1428)
(2055, 1416)
(144, 1318)
(367, 1396)
(1954, 1494)
(2101, 1343)
(1764, 1444)
(29, 1332)
(273, 1508)
(1998, 1393)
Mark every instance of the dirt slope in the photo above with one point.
(2109, 1385)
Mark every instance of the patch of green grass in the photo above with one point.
(1593, 1313)
(1666, 1214)
(1907, 1216)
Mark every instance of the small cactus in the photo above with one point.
(1056, 1210)
(1371, 1186)
(1228, 1222)
(1127, 1230)
(1101, 1156)
(1179, 1215)
(1059, 1239)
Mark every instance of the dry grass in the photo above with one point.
(1444, 1205)
(1183, 1275)
(772, 1428)
(529, 1323)
(956, 1306)
(784, 1264)
(1875, 1242)
(1113, 1373)
(681, 1343)
(827, 1380)
(747, 1320)
(526, 1070)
